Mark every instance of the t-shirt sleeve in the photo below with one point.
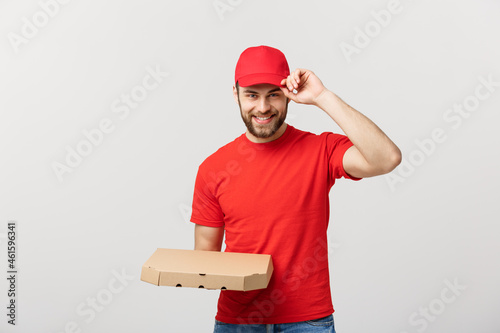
(206, 209)
(336, 145)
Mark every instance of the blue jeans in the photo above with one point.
(321, 325)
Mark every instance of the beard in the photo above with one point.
(264, 130)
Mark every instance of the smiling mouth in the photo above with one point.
(263, 120)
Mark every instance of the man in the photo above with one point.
(268, 190)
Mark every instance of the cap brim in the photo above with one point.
(253, 79)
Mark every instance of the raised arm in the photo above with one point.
(208, 238)
(373, 152)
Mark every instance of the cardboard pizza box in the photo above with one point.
(208, 269)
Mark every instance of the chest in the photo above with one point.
(284, 181)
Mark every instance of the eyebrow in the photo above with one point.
(254, 92)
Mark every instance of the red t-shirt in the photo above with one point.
(272, 198)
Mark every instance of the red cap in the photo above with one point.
(261, 64)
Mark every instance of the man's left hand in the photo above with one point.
(308, 87)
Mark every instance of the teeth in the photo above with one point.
(260, 118)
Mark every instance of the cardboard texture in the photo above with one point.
(208, 269)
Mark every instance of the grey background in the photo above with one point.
(392, 247)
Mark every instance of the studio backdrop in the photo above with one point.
(107, 108)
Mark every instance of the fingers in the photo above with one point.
(293, 83)
(288, 83)
(289, 94)
(295, 79)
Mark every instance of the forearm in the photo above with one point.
(375, 147)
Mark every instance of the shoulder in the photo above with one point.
(326, 142)
(297, 134)
(313, 137)
(221, 155)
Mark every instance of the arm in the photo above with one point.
(373, 152)
(208, 238)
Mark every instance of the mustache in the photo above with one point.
(265, 114)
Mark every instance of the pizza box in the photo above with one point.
(208, 269)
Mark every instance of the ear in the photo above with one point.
(235, 94)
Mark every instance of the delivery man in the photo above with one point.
(269, 191)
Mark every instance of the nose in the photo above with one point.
(263, 105)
